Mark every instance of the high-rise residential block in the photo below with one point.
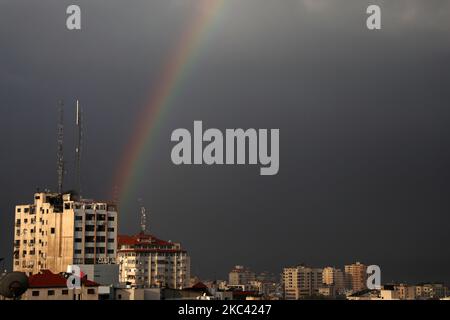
(301, 282)
(146, 261)
(58, 230)
(356, 275)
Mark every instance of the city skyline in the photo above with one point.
(363, 120)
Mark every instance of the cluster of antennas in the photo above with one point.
(60, 167)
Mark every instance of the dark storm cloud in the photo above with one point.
(363, 120)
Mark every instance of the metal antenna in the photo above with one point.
(60, 151)
(78, 147)
(143, 220)
(143, 217)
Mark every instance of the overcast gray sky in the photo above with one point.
(363, 116)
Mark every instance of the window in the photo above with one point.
(90, 217)
(51, 292)
(110, 251)
(89, 250)
(91, 291)
(77, 251)
(65, 292)
(110, 218)
(19, 210)
(110, 229)
(52, 230)
(77, 239)
(78, 218)
(78, 229)
(90, 228)
(111, 240)
(35, 293)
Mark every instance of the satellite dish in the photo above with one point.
(13, 284)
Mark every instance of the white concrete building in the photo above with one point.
(146, 261)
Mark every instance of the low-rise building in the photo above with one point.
(51, 286)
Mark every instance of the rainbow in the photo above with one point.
(171, 79)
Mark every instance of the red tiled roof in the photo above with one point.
(199, 285)
(141, 238)
(48, 279)
(154, 250)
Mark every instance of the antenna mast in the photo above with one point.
(143, 219)
(78, 147)
(60, 151)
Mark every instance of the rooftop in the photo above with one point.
(48, 279)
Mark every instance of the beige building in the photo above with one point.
(406, 292)
(334, 277)
(431, 291)
(301, 282)
(240, 275)
(356, 275)
(146, 261)
(60, 230)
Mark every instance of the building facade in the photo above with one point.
(146, 261)
(50, 286)
(356, 275)
(58, 230)
(240, 275)
(334, 277)
(301, 282)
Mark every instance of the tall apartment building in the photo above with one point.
(146, 261)
(301, 282)
(240, 276)
(356, 275)
(58, 230)
(334, 277)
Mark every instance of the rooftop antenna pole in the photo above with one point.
(60, 151)
(78, 147)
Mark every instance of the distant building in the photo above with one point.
(58, 230)
(240, 276)
(334, 277)
(146, 261)
(431, 291)
(50, 286)
(356, 275)
(406, 292)
(301, 282)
